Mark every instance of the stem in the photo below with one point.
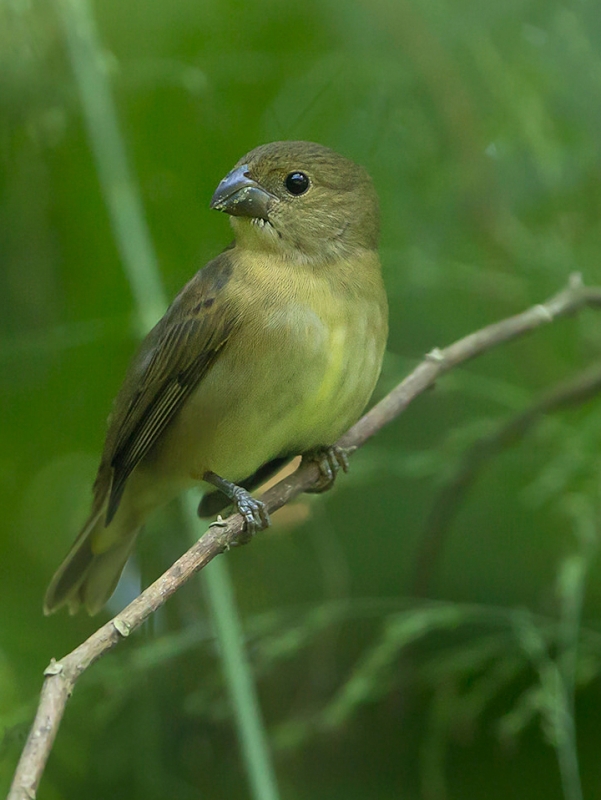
(141, 268)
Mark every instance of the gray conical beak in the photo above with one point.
(238, 194)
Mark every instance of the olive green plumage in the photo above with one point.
(273, 349)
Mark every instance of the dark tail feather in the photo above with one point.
(85, 578)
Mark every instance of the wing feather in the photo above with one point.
(171, 362)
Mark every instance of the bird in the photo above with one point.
(272, 350)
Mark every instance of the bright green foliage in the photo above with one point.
(479, 122)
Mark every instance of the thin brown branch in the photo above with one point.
(61, 676)
(578, 390)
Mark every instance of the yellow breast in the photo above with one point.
(297, 373)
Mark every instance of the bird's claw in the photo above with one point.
(329, 461)
(253, 512)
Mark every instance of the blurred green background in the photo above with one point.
(479, 122)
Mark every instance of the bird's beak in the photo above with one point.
(238, 194)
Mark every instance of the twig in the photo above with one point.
(61, 676)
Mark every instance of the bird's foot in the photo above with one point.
(329, 461)
(253, 511)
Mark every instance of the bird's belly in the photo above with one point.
(303, 393)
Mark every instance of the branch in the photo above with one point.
(61, 676)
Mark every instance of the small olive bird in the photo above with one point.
(270, 351)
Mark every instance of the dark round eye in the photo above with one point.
(297, 183)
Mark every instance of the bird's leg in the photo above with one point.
(252, 510)
(213, 502)
(329, 460)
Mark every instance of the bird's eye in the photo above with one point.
(297, 183)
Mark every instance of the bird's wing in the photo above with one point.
(171, 362)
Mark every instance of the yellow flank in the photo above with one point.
(336, 363)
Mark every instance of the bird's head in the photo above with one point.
(300, 200)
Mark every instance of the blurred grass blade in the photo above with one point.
(121, 195)
(239, 678)
(140, 265)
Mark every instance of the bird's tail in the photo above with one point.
(92, 568)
